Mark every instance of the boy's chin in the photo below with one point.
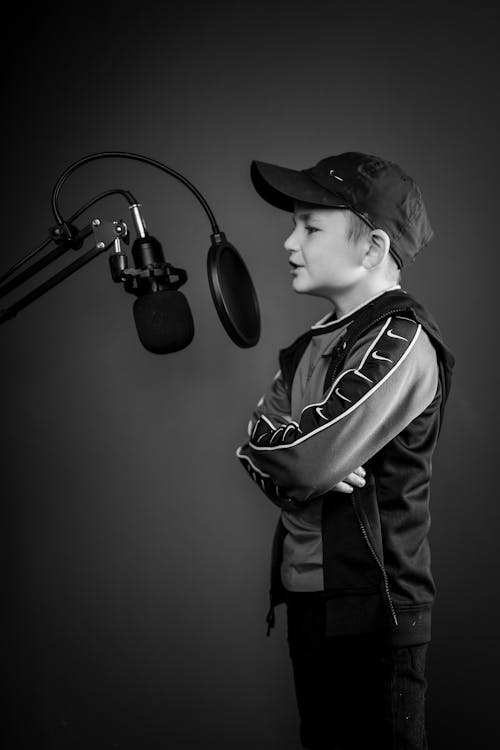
(299, 286)
(310, 290)
(302, 288)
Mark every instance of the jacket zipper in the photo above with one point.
(360, 522)
(381, 567)
(270, 620)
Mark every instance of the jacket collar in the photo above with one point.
(330, 323)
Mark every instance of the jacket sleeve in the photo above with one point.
(390, 377)
(275, 404)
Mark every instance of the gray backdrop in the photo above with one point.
(136, 548)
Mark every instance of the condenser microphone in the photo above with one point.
(162, 314)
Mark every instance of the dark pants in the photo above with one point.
(354, 691)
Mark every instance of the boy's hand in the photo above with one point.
(355, 479)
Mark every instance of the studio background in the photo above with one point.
(136, 547)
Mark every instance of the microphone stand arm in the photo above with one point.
(67, 237)
(106, 234)
(71, 243)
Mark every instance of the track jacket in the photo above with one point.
(380, 404)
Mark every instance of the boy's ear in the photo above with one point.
(377, 248)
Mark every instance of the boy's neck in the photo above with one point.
(354, 298)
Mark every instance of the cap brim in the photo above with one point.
(281, 186)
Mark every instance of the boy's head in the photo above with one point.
(331, 252)
(379, 207)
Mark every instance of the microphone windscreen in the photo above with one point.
(164, 321)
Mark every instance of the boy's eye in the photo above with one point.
(310, 230)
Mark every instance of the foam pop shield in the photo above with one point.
(233, 292)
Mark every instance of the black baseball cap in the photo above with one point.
(375, 189)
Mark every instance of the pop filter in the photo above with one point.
(233, 292)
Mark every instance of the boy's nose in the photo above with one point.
(291, 243)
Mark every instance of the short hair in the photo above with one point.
(357, 229)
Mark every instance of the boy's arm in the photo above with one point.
(275, 403)
(390, 377)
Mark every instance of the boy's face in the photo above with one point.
(323, 262)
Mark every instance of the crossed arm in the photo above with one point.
(389, 378)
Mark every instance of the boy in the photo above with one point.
(364, 387)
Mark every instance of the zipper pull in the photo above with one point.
(270, 620)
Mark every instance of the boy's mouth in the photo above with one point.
(294, 265)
